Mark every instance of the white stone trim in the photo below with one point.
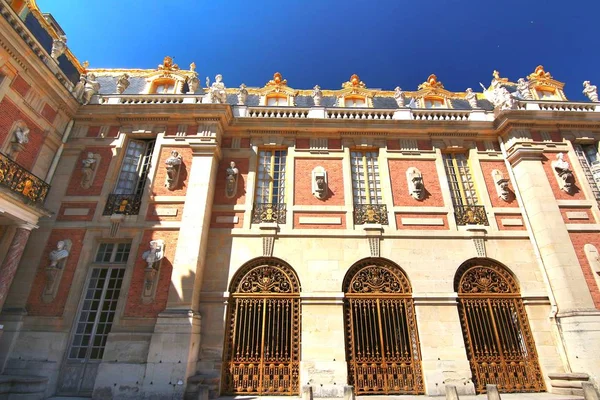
(76, 211)
(227, 219)
(577, 215)
(320, 220)
(423, 221)
(512, 222)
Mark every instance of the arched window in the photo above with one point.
(435, 102)
(275, 100)
(382, 341)
(355, 101)
(262, 350)
(495, 327)
(163, 86)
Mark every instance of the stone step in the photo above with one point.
(568, 383)
(23, 387)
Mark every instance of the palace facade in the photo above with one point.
(160, 238)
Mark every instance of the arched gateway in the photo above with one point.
(262, 347)
(497, 336)
(382, 342)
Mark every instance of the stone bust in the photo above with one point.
(58, 254)
(231, 180)
(21, 134)
(122, 83)
(155, 253)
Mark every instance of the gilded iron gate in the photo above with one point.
(263, 343)
(499, 343)
(382, 342)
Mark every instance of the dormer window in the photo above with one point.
(355, 102)
(163, 86)
(277, 101)
(433, 102)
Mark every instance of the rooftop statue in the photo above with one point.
(471, 97)
(193, 67)
(317, 95)
(193, 83)
(59, 46)
(277, 80)
(399, 96)
(168, 64)
(217, 93)
(523, 89)
(591, 91)
(122, 83)
(91, 88)
(242, 95)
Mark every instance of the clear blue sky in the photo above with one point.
(386, 42)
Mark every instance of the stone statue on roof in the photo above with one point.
(122, 83)
(471, 97)
(317, 95)
(59, 46)
(193, 83)
(523, 89)
(91, 88)
(591, 91)
(217, 93)
(242, 95)
(399, 96)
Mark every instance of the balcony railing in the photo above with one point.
(126, 204)
(470, 215)
(370, 214)
(20, 181)
(268, 212)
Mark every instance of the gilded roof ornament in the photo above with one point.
(354, 82)
(539, 73)
(277, 80)
(431, 83)
(168, 65)
(85, 64)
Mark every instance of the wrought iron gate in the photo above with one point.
(499, 343)
(263, 343)
(382, 342)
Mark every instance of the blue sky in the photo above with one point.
(386, 42)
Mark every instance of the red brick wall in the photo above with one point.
(561, 194)
(486, 168)
(298, 225)
(433, 192)
(588, 220)
(20, 85)
(393, 144)
(399, 217)
(151, 215)
(502, 227)
(135, 307)
(74, 188)
(93, 131)
(215, 224)
(113, 131)
(303, 182)
(49, 113)
(302, 144)
(9, 113)
(424, 145)
(580, 239)
(35, 305)
(158, 184)
(90, 215)
(242, 165)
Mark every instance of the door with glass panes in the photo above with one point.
(94, 320)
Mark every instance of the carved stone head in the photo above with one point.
(501, 185)
(416, 187)
(319, 183)
(565, 177)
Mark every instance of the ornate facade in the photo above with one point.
(160, 237)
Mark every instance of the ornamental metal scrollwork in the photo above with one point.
(268, 212)
(487, 280)
(265, 279)
(374, 277)
(370, 214)
(470, 215)
(22, 182)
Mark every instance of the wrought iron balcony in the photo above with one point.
(470, 215)
(21, 181)
(370, 214)
(268, 212)
(127, 204)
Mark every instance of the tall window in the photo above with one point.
(97, 310)
(163, 86)
(366, 184)
(134, 169)
(434, 103)
(590, 162)
(270, 184)
(462, 187)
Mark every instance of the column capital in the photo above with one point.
(520, 153)
(27, 226)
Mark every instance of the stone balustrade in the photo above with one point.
(277, 112)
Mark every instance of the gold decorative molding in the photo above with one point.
(540, 79)
(354, 82)
(431, 83)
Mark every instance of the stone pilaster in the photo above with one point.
(576, 317)
(175, 343)
(12, 259)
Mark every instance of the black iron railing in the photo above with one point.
(268, 212)
(127, 204)
(470, 215)
(19, 180)
(370, 214)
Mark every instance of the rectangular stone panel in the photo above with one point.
(423, 221)
(320, 220)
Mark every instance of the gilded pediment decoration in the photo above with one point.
(277, 87)
(433, 90)
(354, 82)
(431, 83)
(543, 85)
(168, 65)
